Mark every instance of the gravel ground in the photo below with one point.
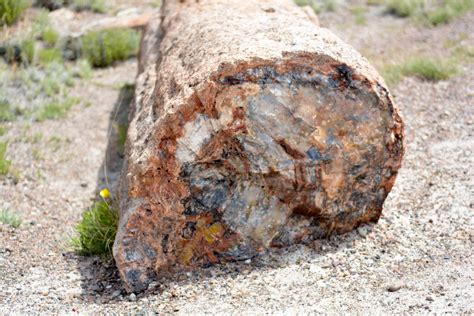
(417, 259)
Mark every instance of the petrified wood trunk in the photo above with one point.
(252, 128)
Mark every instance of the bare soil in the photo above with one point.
(417, 259)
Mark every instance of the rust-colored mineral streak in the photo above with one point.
(252, 128)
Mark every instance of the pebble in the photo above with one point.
(395, 287)
(132, 297)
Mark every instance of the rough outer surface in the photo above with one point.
(252, 128)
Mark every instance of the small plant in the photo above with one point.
(50, 36)
(404, 8)
(6, 113)
(97, 228)
(446, 11)
(430, 12)
(5, 164)
(56, 110)
(318, 6)
(103, 48)
(92, 5)
(49, 55)
(11, 10)
(28, 49)
(9, 218)
(423, 68)
(82, 69)
(3, 130)
(50, 4)
(429, 69)
(121, 137)
(359, 15)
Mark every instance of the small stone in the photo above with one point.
(430, 299)
(395, 287)
(362, 231)
(115, 294)
(248, 261)
(132, 297)
(152, 285)
(45, 293)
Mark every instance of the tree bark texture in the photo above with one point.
(252, 128)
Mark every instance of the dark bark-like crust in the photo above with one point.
(252, 128)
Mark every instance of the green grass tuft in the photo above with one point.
(3, 130)
(96, 230)
(404, 8)
(9, 218)
(318, 5)
(49, 55)
(429, 69)
(6, 113)
(447, 11)
(82, 69)
(11, 10)
(359, 15)
(28, 50)
(90, 5)
(121, 137)
(50, 36)
(103, 48)
(428, 11)
(423, 68)
(56, 110)
(5, 164)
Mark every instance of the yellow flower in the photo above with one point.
(105, 193)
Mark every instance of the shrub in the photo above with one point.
(82, 69)
(121, 137)
(103, 48)
(50, 36)
(56, 110)
(28, 49)
(423, 68)
(6, 113)
(404, 8)
(429, 69)
(359, 15)
(447, 11)
(96, 230)
(49, 55)
(4, 163)
(9, 218)
(92, 5)
(430, 12)
(318, 6)
(11, 10)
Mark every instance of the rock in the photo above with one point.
(395, 287)
(363, 231)
(132, 297)
(251, 128)
(116, 294)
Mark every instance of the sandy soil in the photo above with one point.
(417, 259)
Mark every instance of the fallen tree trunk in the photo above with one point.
(252, 128)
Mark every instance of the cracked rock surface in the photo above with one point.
(252, 128)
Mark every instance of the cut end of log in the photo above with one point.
(261, 153)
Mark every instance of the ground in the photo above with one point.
(417, 259)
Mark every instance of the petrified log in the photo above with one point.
(252, 128)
